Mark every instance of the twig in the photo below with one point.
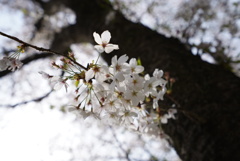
(26, 102)
(173, 100)
(119, 144)
(40, 48)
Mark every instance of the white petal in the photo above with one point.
(147, 77)
(119, 76)
(158, 73)
(139, 69)
(140, 96)
(164, 119)
(155, 105)
(106, 36)
(122, 59)
(156, 82)
(99, 48)
(133, 62)
(112, 86)
(100, 77)
(97, 38)
(114, 60)
(115, 47)
(89, 74)
(135, 101)
(160, 94)
(110, 47)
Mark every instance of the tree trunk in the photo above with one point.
(208, 122)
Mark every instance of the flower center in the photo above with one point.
(118, 67)
(104, 45)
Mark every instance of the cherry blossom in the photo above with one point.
(169, 115)
(10, 63)
(158, 75)
(119, 65)
(134, 96)
(134, 68)
(103, 42)
(58, 83)
(150, 86)
(164, 118)
(136, 82)
(127, 117)
(97, 71)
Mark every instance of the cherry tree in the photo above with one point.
(205, 95)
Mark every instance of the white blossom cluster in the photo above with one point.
(119, 94)
(10, 63)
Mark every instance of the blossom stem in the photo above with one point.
(40, 48)
(98, 57)
(97, 97)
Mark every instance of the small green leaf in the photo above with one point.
(76, 83)
(139, 61)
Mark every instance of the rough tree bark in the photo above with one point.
(207, 128)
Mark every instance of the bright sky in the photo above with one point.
(35, 134)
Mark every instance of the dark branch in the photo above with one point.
(120, 144)
(40, 48)
(26, 102)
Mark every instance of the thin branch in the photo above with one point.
(26, 102)
(40, 48)
(120, 144)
